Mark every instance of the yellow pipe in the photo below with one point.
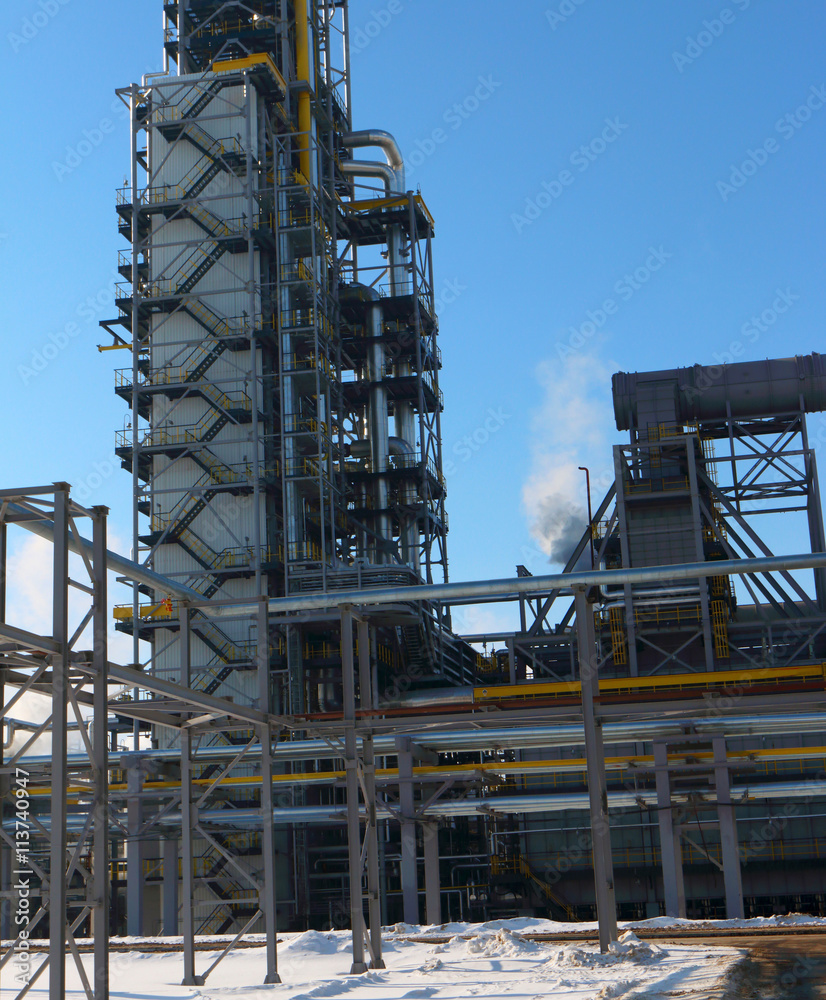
(302, 61)
(634, 684)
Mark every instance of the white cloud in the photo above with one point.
(29, 607)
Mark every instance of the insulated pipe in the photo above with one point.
(303, 74)
(393, 176)
(369, 168)
(387, 144)
(397, 446)
(511, 738)
(404, 415)
(510, 588)
(390, 148)
(507, 805)
(378, 432)
(748, 388)
(448, 593)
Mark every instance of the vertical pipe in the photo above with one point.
(346, 41)
(100, 747)
(438, 443)
(285, 64)
(351, 768)
(267, 899)
(183, 59)
(378, 432)
(305, 120)
(165, 26)
(60, 678)
(595, 760)
(291, 530)
(252, 307)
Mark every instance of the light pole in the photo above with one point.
(590, 516)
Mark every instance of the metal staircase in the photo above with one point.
(234, 900)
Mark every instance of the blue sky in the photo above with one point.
(561, 146)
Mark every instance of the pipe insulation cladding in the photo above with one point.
(706, 392)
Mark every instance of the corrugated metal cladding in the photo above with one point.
(661, 537)
(201, 433)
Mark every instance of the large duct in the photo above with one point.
(713, 392)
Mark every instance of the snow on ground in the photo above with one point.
(487, 961)
(537, 925)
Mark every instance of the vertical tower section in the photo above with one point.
(284, 433)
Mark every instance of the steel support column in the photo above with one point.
(267, 894)
(188, 817)
(699, 551)
(352, 781)
(670, 848)
(366, 701)
(409, 874)
(134, 850)
(595, 760)
(58, 921)
(729, 845)
(6, 891)
(100, 763)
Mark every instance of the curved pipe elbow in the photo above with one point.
(388, 145)
(369, 168)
